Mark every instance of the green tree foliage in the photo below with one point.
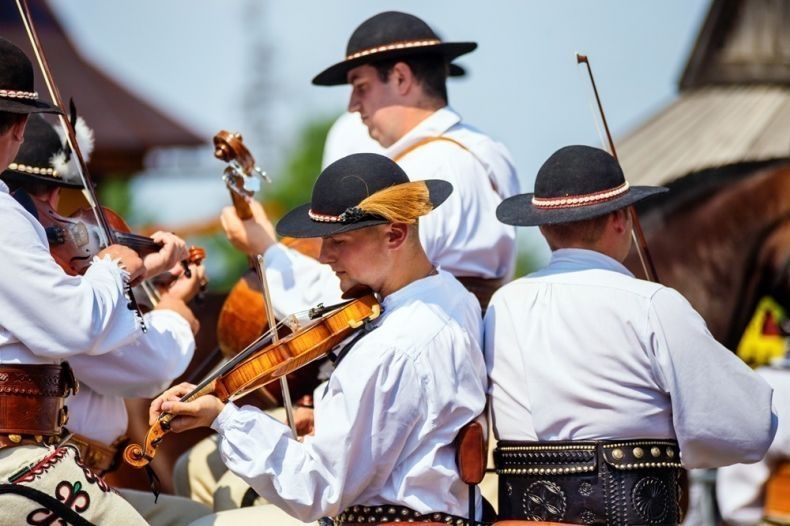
(301, 169)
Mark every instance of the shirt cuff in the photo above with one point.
(275, 254)
(225, 417)
(110, 265)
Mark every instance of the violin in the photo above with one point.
(74, 240)
(264, 362)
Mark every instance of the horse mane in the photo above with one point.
(686, 191)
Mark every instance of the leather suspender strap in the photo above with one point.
(428, 140)
(425, 141)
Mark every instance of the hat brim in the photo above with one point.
(23, 177)
(337, 74)
(297, 222)
(518, 210)
(27, 106)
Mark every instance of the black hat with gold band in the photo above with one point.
(360, 191)
(388, 35)
(17, 90)
(575, 183)
(45, 157)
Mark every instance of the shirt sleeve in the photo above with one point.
(362, 426)
(51, 313)
(298, 282)
(722, 411)
(508, 402)
(145, 366)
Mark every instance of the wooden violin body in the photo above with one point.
(266, 365)
(74, 240)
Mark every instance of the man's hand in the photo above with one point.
(127, 259)
(252, 236)
(173, 250)
(185, 288)
(304, 421)
(189, 415)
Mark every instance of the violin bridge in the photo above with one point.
(292, 322)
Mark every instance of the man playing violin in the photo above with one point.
(141, 368)
(402, 387)
(47, 317)
(401, 95)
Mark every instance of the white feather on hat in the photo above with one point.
(63, 161)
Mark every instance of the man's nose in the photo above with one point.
(353, 103)
(323, 255)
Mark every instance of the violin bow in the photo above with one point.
(108, 237)
(636, 231)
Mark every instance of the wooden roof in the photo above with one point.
(125, 126)
(734, 102)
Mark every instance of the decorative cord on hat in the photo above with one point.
(402, 203)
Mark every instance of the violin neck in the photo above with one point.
(241, 205)
(143, 245)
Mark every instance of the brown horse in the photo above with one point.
(722, 238)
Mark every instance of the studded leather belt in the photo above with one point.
(32, 402)
(374, 515)
(600, 482)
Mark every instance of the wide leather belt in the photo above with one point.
(373, 515)
(98, 456)
(482, 288)
(32, 400)
(615, 483)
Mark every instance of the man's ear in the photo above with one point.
(403, 77)
(619, 220)
(18, 129)
(397, 233)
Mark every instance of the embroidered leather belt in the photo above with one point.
(482, 288)
(32, 402)
(602, 482)
(99, 457)
(372, 515)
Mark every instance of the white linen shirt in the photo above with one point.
(740, 488)
(140, 369)
(582, 350)
(463, 235)
(46, 315)
(385, 426)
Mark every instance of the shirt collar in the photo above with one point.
(573, 259)
(411, 291)
(434, 125)
(4, 188)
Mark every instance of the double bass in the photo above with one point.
(244, 316)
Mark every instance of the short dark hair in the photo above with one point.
(31, 186)
(584, 232)
(430, 70)
(8, 119)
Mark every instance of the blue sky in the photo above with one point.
(196, 60)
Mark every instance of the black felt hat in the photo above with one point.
(390, 35)
(575, 183)
(343, 186)
(17, 90)
(44, 155)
